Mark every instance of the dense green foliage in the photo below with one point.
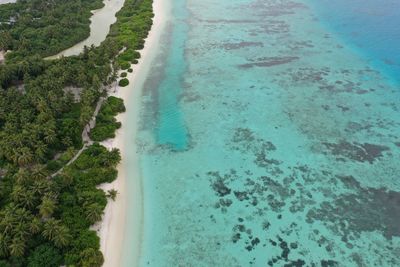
(45, 255)
(44, 27)
(106, 124)
(44, 119)
(44, 106)
(56, 213)
(82, 204)
(132, 27)
(123, 82)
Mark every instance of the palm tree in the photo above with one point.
(67, 141)
(4, 244)
(91, 257)
(47, 207)
(21, 230)
(62, 238)
(112, 158)
(24, 156)
(34, 227)
(17, 193)
(112, 193)
(96, 82)
(94, 212)
(41, 150)
(38, 172)
(50, 136)
(17, 247)
(22, 176)
(39, 186)
(50, 228)
(56, 232)
(23, 197)
(28, 199)
(42, 105)
(5, 40)
(7, 222)
(20, 214)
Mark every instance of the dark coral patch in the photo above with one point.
(241, 195)
(233, 46)
(220, 188)
(218, 183)
(244, 140)
(355, 151)
(269, 62)
(368, 209)
(329, 263)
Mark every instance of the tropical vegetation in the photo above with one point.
(106, 124)
(47, 202)
(123, 82)
(44, 27)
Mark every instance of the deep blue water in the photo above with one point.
(372, 27)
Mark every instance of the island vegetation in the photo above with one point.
(123, 82)
(48, 202)
(44, 27)
(106, 124)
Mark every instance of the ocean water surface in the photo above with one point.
(371, 27)
(270, 135)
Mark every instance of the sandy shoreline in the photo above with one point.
(112, 229)
(7, 1)
(2, 55)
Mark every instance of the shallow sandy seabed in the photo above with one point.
(291, 144)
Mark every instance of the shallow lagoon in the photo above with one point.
(267, 139)
(7, 1)
(100, 23)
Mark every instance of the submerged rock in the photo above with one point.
(355, 151)
(220, 188)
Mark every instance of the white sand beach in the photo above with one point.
(112, 229)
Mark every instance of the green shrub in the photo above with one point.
(130, 70)
(104, 132)
(125, 65)
(106, 124)
(45, 255)
(124, 82)
(124, 74)
(53, 165)
(91, 257)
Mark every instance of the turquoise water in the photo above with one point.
(268, 138)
